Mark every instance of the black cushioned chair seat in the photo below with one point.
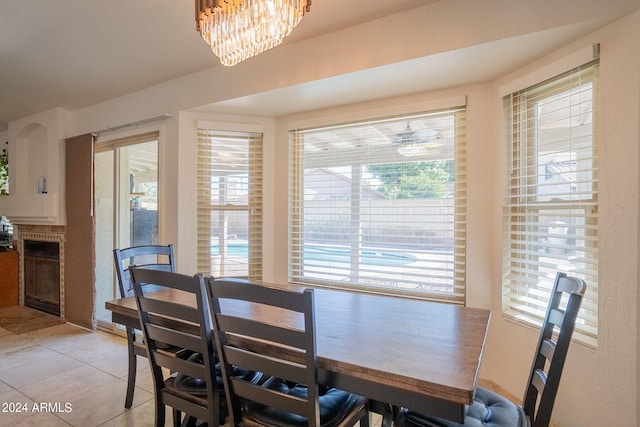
(194, 385)
(488, 410)
(198, 387)
(334, 405)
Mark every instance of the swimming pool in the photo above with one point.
(332, 254)
(233, 249)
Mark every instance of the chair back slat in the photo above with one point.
(179, 339)
(184, 366)
(251, 328)
(571, 285)
(165, 308)
(285, 402)
(268, 365)
(548, 348)
(539, 380)
(556, 317)
(229, 289)
(552, 348)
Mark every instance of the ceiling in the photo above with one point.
(73, 54)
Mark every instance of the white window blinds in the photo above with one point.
(379, 205)
(551, 195)
(230, 204)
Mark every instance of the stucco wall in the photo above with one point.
(599, 385)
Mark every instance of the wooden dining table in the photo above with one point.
(401, 352)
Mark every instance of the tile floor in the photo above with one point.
(67, 376)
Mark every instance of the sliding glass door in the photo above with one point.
(126, 207)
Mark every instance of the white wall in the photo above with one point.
(598, 387)
(35, 149)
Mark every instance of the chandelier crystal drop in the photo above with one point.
(239, 29)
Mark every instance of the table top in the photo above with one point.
(432, 349)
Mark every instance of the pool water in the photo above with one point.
(233, 249)
(333, 255)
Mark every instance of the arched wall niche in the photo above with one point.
(36, 148)
(32, 157)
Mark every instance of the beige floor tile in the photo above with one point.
(54, 333)
(144, 380)
(4, 387)
(32, 364)
(68, 339)
(12, 342)
(104, 403)
(140, 416)
(90, 347)
(23, 354)
(18, 410)
(376, 419)
(69, 384)
(112, 361)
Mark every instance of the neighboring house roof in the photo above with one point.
(565, 170)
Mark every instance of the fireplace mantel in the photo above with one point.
(30, 208)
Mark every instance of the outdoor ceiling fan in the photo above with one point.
(415, 143)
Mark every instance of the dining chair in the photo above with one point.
(282, 322)
(185, 326)
(493, 410)
(156, 257)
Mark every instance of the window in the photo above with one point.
(379, 205)
(551, 195)
(230, 204)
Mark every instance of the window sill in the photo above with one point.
(580, 341)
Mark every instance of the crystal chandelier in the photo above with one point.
(239, 29)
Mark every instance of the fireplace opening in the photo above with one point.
(42, 276)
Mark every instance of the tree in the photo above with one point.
(4, 172)
(414, 180)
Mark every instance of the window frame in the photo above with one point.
(458, 212)
(207, 208)
(526, 287)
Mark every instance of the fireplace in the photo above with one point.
(42, 275)
(41, 251)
